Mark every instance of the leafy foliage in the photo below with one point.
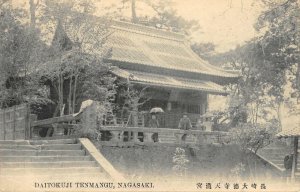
(163, 16)
(130, 99)
(250, 137)
(268, 64)
(20, 53)
(204, 50)
(77, 71)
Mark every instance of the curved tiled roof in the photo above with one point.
(146, 46)
(168, 81)
(292, 131)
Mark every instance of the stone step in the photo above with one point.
(275, 151)
(172, 140)
(276, 161)
(280, 160)
(42, 147)
(273, 156)
(8, 152)
(55, 141)
(49, 171)
(38, 142)
(43, 158)
(280, 165)
(60, 164)
(15, 142)
(167, 139)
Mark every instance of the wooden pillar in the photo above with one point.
(294, 167)
(203, 103)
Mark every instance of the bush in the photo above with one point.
(251, 137)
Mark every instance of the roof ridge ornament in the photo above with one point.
(148, 30)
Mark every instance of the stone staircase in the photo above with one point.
(275, 153)
(46, 160)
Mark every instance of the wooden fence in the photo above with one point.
(14, 123)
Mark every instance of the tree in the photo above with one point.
(33, 8)
(167, 17)
(267, 63)
(130, 100)
(20, 53)
(163, 16)
(253, 138)
(281, 44)
(204, 50)
(76, 54)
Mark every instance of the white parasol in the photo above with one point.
(156, 110)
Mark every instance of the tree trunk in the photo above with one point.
(298, 81)
(32, 6)
(70, 95)
(279, 115)
(57, 107)
(61, 93)
(74, 93)
(135, 115)
(133, 12)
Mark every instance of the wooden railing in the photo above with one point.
(116, 135)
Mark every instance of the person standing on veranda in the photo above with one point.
(185, 124)
(153, 123)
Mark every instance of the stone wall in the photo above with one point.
(215, 161)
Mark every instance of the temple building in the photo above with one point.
(163, 61)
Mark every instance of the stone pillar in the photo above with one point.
(135, 137)
(200, 139)
(148, 137)
(169, 106)
(179, 138)
(115, 136)
(89, 118)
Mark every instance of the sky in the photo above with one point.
(226, 23)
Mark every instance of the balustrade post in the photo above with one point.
(35, 132)
(115, 135)
(179, 137)
(89, 116)
(210, 139)
(135, 137)
(200, 139)
(148, 137)
(58, 130)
